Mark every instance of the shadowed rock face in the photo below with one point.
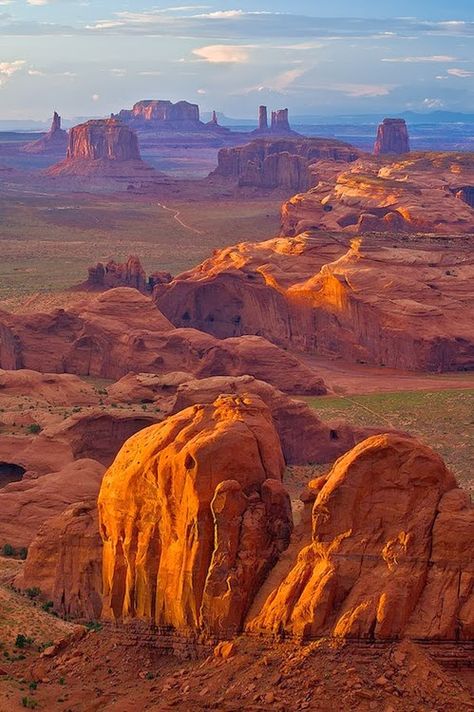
(262, 118)
(193, 515)
(392, 138)
(389, 555)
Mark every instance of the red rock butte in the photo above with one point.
(55, 141)
(392, 138)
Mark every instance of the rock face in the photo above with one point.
(392, 138)
(389, 555)
(280, 123)
(104, 147)
(55, 141)
(51, 388)
(193, 515)
(122, 331)
(64, 562)
(408, 305)
(419, 193)
(262, 118)
(28, 504)
(279, 163)
(113, 274)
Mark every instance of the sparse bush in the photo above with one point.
(22, 641)
(29, 703)
(34, 428)
(33, 592)
(8, 550)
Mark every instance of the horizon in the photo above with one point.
(91, 60)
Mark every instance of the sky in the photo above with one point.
(90, 58)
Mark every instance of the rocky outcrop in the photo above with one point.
(51, 388)
(123, 274)
(64, 562)
(279, 163)
(262, 118)
(418, 193)
(28, 504)
(193, 515)
(389, 555)
(392, 138)
(122, 331)
(280, 123)
(103, 147)
(408, 305)
(55, 141)
(279, 126)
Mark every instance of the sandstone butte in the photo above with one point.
(277, 162)
(123, 274)
(121, 330)
(392, 138)
(54, 141)
(406, 304)
(102, 147)
(193, 514)
(389, 552)
(416, 193)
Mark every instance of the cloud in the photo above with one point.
(8, 69)
(223, 54)
(414, 60)
(461, 73)
(433, 103)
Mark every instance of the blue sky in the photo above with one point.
(91, 58)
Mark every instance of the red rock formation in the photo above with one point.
(193, 515)
(280, 123)
(315, 441)
(113, 274)
(417, 194)
(161, 114)
(407, 306)
(392, 138)
(51, 388)
(262, 118)
(122, 331)
(64, 562)
(389, 555)
(103, 147)
(279, 163)
(27, 505)
(55, 141)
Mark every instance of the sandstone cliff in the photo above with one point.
(193, 515)
(389, 555)
(162, 114)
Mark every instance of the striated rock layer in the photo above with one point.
(193, 515)
(408, 304)
(390, 552)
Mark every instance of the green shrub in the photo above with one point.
(34, 428)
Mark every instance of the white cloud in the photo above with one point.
(462, 73)
(7, 69)
(223, 54)
(433, 103)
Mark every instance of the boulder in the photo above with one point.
(389, 555)
(193, 515)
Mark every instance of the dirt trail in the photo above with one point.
(176, 217)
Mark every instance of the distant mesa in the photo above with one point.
(103, 147)
(279, 125)
(392, 138)
(55, 141)
(159, 114)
